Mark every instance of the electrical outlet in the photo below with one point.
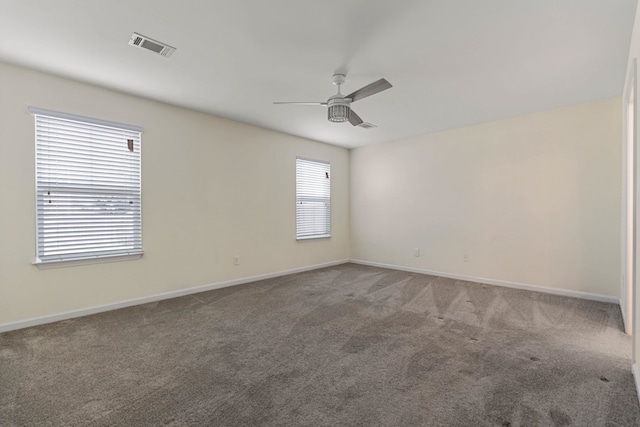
(236, 260)
(465, 258)
(416, 252)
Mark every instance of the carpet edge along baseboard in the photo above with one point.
(41, 320)
(496, 282)
(26, 323)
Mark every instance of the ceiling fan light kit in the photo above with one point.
(338, 112)
(339, 106)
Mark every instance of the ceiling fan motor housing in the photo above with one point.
(338, 109)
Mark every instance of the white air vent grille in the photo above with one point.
(154, 46)
(367, 125)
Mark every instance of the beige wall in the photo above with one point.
(533, 200)
(212, 189)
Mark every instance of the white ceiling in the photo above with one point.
(452, 63)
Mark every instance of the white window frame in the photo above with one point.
(313, 199)
(78, 185)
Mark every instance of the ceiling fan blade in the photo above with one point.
(370, 89)
(354, 119)
(302, 103)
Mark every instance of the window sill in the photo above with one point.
(74, 262)
(322, 236)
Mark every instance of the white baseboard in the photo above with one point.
(623, 312)
(157, 297)
(636, 377)
(182, 292)
(504, 283)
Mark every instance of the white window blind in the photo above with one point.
(313, 199)
(88, 188)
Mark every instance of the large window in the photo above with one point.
(313, 199)
(88, 188)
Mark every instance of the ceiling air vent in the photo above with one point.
(150, 44)
(367, 125)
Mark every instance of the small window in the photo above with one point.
(313, 199)
(88, 201)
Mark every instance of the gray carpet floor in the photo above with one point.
(340, 346)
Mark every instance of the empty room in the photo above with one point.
(319, 213)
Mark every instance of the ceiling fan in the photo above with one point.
(339, 105)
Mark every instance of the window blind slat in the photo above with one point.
(88, 189)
